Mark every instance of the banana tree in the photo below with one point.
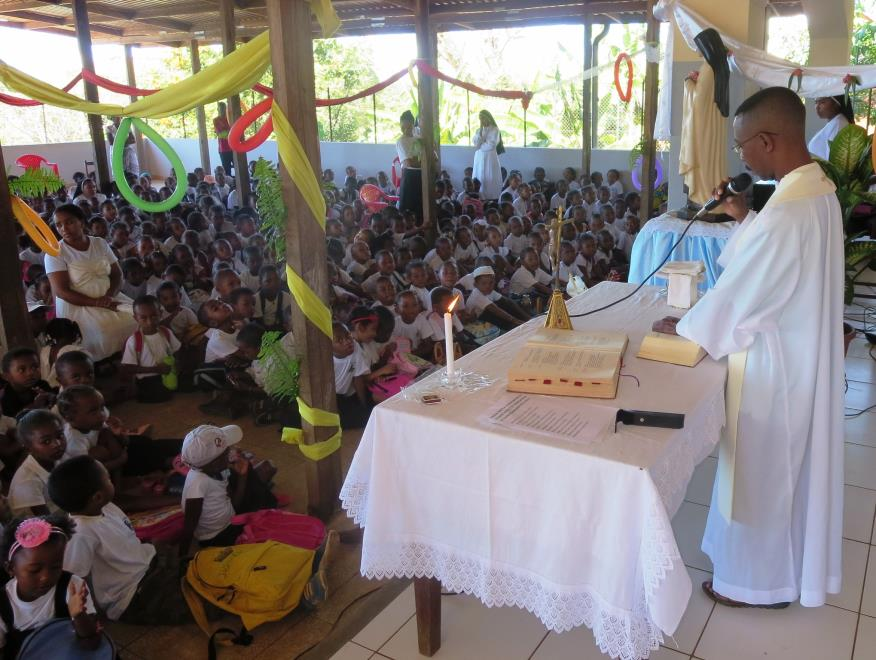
(850, 167)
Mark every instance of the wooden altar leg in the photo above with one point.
(427, 596)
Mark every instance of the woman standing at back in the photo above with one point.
(486, 169)
(410, 153)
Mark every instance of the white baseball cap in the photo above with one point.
(483, 270)
(204, 443)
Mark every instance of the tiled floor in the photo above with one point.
(845, 629)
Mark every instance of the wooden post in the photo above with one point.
(203, 143)
(649, 174)
(241, 167)
(427, 49)
(294, 93)
(95, 125)
(427, 600)
(586, 115)
(13, 310)
(132, 82)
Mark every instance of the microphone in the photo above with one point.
(736, 186)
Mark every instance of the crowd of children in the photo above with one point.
(200, 289)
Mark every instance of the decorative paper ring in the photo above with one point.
(35, 226)
(798, 74)
(179, 170)
(235, 135)
(637, 168)
(625, 96)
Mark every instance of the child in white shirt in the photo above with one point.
(413, 324)
(530, 278)
(516, 241)
(42, 435)
(149, 354)
(351, 372)
(416, 273)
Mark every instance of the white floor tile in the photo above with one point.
(796, 633)
(860, 395)
(860, 466)
(865, 644)
(868, 606)
(351, 651)
(695, 616)
(860, 509)
(860, 369)
(859, 348)
(854, 569)
(688, 525)
(472, 631)
(386, 624)
(699, 491)
(861, 430)
(578, 644)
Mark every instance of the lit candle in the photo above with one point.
(448, 337)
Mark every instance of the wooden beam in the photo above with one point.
(427, 602)
(203, 143)
(649, 172)
(13, 309)
(179, 9)
(294, 94)
(60, 21)
(427, 49)
(99, 9)
(18, 5)
(241, 167)
(132, 82)
(83, 37)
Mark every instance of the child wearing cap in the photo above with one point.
(211, 495)
(489, 305)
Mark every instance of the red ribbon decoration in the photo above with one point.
(235, 135)
(25, 103)
(429, 70)
(624, 96)
(111, 86)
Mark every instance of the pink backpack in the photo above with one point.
(274, 525)
(159, 525)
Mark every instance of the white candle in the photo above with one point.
(448, 337)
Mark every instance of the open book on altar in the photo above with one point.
(569, 363)
(671, 348)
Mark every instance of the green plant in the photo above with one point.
(850, 167)
(270, 206)
(282, 370)
(35, 182)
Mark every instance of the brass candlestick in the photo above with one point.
(558, 315)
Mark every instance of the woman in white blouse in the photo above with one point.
(486, 168)
(86, 278)
(410, 153)
(838, 114)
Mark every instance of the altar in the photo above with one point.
(576, 531)
(703, 242)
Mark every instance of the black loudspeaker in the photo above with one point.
(761, 192)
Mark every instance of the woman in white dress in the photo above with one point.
(839, 114)
(486, 168)
(85, 278)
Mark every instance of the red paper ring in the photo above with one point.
(625, 97)
(235, 134)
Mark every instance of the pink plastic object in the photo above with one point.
(34, 161)
(273, 525)
(374, 199)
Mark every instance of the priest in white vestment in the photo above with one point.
(774, 531)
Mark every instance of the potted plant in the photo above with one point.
(850, 167)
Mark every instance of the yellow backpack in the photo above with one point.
(258, 582)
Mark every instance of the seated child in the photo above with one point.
(351, 372)
(568, 268)
(211, 497)
(466, 251)
(254, 260)
(24, 390)
(413, 324)
(64, 336)
(616, 264)
(149, 354)
(273, 305)
(489, 305)
(386, 267)
(494, 245)
(41, 433)
(181, 321)
(218, 316)
(242, 301)
(418, 276)
(448, 277)
(224, 282)
(441, 254)
(516, 240)
(587, 261)
(361, 265)
(131, 582)
(530, 279)
(442, 298)
(81, 407)
(39, 591)
(385, 294)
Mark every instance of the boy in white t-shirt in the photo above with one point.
(42, 435)
(351, 374)
(218, 317)
(489, 305)
(413, 324)
(149, 354)
(131, 582)
(530, 278)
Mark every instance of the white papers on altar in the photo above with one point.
(550, 417)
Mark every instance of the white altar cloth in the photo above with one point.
(576, 533)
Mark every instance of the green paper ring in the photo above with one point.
(179, 170)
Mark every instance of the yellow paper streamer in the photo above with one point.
(232, 74)
(326, 16)
(298, 165)
(316, 311)
(315, 417)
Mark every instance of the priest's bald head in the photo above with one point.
(769, 132)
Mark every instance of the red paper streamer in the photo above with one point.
(24, 103)
(111, 86)
(429, 70)
(235, 135)
(624, 96)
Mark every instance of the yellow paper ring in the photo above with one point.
(35, 226)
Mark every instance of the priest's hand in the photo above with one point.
(666, 325)
(736, 206)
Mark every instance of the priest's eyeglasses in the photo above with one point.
(738, 146)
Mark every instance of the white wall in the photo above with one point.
(367, 158)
